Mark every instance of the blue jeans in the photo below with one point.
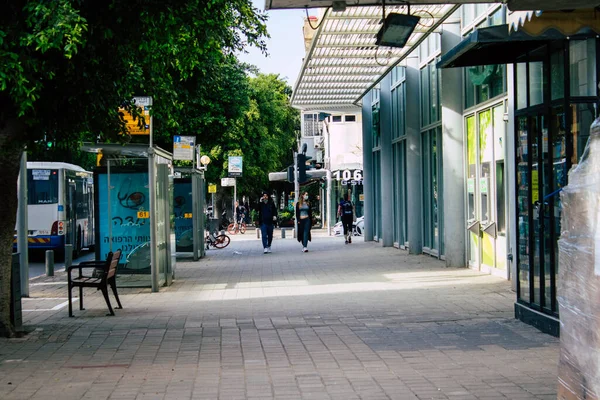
(266, 232)
(305, 231)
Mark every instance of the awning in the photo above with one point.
(493, 45)
(343, 61)
(337, 4)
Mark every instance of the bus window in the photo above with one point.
(42, 186)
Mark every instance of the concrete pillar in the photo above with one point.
(369, 212)
(386, 189)
(414, 160)
(453, 149)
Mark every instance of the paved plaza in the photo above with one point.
(340, 322)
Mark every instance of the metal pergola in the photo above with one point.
(343, 62)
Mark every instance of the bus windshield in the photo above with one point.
(42, 186)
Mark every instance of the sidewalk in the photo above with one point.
(339, 322)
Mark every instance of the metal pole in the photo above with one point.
(153, 228)
(22, 227)
(212, 203)
(329, 210)
(234, 195)
(296, 189)
(49, 262)
(108, 208)
(195, 215)
(68, 256)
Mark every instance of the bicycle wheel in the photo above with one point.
(221, 241)
(243, 227)
(231, 229)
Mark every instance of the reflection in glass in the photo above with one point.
(582, 116)
(521, 78)
(557, 73)
(582, 59)
(523, 209)
(536, 83)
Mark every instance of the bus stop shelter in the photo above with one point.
(134, 211)
(188, 203)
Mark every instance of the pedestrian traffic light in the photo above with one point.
(290, 174)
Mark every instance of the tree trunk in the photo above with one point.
(10, 155)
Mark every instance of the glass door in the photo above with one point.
(486, 189)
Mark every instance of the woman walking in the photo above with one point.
(304, 219)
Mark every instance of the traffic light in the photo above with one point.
(301, 168)
(290, 174)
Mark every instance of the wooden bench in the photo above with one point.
(103, 274)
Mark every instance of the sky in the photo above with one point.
(285, 47)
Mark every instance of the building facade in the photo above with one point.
(477, 150)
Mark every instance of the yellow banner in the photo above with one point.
(133, 126)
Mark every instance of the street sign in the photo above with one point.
(212, 188)
(235, 166)
(183, 147)
(227, 182)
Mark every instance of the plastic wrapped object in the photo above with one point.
(579, 277)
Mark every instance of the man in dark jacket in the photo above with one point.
(267, 215)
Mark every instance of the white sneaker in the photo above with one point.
(269, 249)
(266, 250)
(305, 250)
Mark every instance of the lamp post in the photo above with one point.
(204, 161)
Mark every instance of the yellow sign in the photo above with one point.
(535, 192)
(143, 214)
(133, 125)
(212, 188)
(361, 197)
(187, 215)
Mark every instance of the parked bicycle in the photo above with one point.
(217, 241)
(238, 226)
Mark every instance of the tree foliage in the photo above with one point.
(264, 135)
(66, 66)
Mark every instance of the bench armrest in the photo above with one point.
(87, 264)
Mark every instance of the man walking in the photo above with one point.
(267, 215)
(346, 212)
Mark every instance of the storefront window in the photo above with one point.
(582, 117)
(521, 78)
(425, 100)
(431, 190)
(483, 83)
(536, 83)
(523, 209)
(582, 59)
(398, 107)
(557, 73)
(376, 126)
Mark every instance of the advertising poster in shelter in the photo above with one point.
(127, 215)
(184, 229)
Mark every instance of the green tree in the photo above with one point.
(264, 135)
(67, 65)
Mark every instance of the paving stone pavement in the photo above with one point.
(340, 322)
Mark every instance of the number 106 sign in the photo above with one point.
(349, 177)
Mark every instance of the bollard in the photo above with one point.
(294, 233)
(50, 262)
(258, 233)
(282, 233)
(68, 256)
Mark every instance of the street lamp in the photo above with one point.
(204, 161)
